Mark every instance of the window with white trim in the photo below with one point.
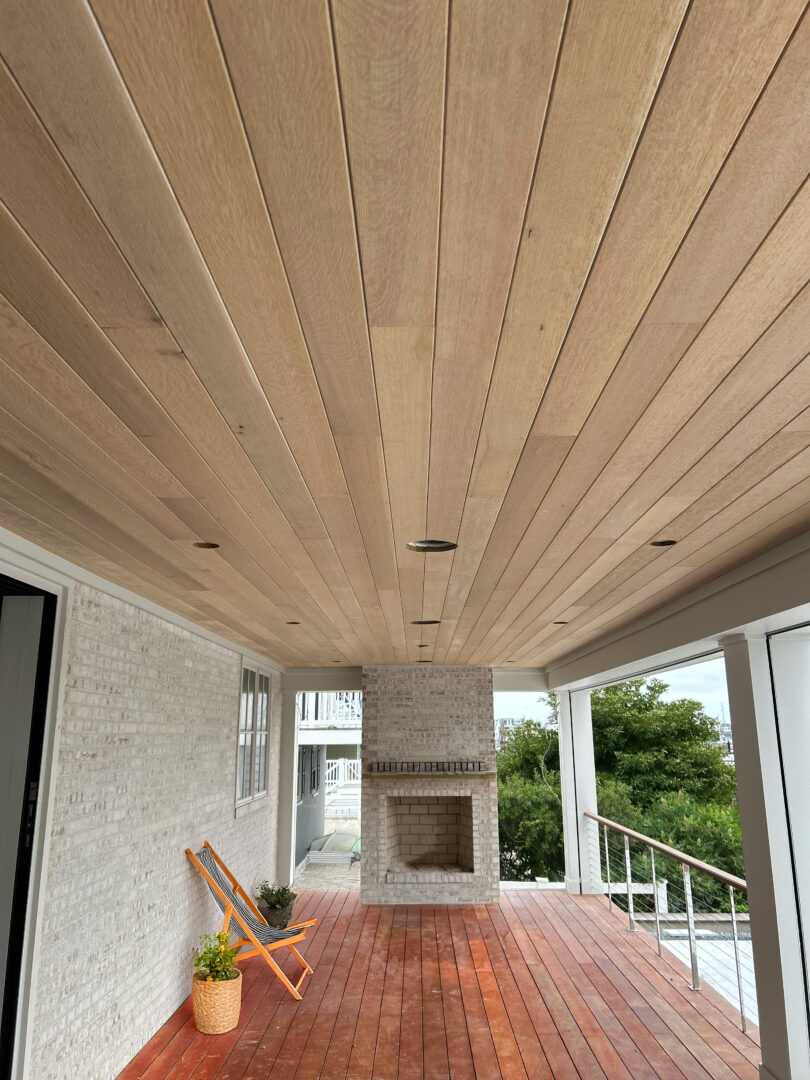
(254, 723)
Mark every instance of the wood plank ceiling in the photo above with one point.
(308, 280)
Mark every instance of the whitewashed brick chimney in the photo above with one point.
(435, 722)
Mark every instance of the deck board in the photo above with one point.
(543, 986)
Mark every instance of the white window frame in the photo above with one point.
(259, 730)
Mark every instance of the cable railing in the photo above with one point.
(697, 911)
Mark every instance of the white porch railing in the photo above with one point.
(342, 771)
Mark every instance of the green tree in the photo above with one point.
(658, 770)
(657, 746)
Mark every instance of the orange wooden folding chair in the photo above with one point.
(244, 920)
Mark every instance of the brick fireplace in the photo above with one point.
(429, 795)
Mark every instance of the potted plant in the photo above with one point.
(275, 902)
(216, 985)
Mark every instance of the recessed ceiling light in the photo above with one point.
(292, 622)
(424, 661)
(560, 622)
(431, 545)
(425, 622)
(423, 646)
(207, 544)
(511, 661)
(662, 543)
(337, 661)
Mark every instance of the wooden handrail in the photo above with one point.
(681, 856)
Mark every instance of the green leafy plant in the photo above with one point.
(214, 961)
(659, 770)
(275, 896)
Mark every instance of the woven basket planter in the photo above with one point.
(216, 1004)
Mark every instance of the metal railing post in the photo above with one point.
(690, 925)
(743, 1021)
(607, 867)
(629, 873)
(655, 898)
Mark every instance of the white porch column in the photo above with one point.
(578, 780)
(288, 771)
(775, 927)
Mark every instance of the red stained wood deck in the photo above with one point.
(541, 985)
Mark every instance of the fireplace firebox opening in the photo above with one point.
(430, 832)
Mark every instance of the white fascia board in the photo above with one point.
(329, 736)
(520, 680)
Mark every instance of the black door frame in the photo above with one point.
(28, 818)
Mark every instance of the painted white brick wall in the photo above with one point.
(146, 767)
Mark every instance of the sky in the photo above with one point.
(705, 682)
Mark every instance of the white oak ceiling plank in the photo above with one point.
(32, 464)
(151, 347)
(714, 463)
(92, 119)
(749, 312)
(718, 527)
(757, 180)
(500, 68)
(92, 416)
(27, 360)
(35, 182)
(666, 184)
(281, 62)
(611, 61)
(664, 495)
(779, 521)
(101, 136)
(171, 61)
(43, 195)
(391, 65)
(57, 510)
(56, 540)
(716, 73)
(402, 367)
(59, 488)
(118, 499)
(711, 524)
(35, 288)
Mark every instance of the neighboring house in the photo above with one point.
(329, 726)
(310, 808)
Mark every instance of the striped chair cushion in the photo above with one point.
(263, 933)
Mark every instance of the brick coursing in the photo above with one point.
(420, 714)
(146, 767)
